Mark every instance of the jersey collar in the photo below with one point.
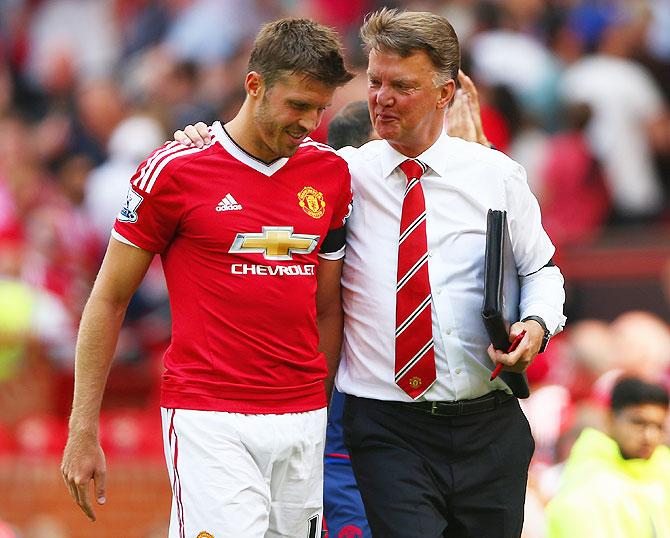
(238, 153)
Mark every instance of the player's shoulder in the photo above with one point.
(311, 150)
(367, 152)
(164, 163)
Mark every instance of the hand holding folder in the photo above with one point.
(512, 347)
(500, 307)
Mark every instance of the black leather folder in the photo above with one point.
(500, 307)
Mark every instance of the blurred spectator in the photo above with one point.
(6, 88)
(642, 344)
(142, 23)
(628, 110)
(35, 329)
(497, 48)
(131, 141)
(71, 40)
(586, 353)
(99, 107)
(177, 94)
(22, 176)
(529, 147)
(63, 255)
(618, 483)
(6, 531)
(549, 411)
(658, 38)
(211, 31)
(572, 193)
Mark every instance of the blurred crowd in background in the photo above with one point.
(575, 90)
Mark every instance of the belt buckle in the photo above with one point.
(433, 408)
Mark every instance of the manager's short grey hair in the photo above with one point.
(405, 32)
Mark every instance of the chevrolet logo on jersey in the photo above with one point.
(275, 243)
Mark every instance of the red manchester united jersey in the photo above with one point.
(239, 240)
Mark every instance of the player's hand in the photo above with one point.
(193, 135)
(521, 358)
(83, 460)
(464, 118)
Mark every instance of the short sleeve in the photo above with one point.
(153, 206)
(333, 245)
(343, 209)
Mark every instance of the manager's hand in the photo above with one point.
(464, 118)
(83, 460)
(521, 358)
(193, 135)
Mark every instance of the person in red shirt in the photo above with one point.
(250, 229)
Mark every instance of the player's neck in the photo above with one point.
(243, 130)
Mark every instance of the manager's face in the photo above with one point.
(406, 105)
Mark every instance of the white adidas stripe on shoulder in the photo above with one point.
(317, 145)
(153, 158)
(145, 181)
(167, 160)
(169, 148)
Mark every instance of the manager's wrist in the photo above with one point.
(547, 334)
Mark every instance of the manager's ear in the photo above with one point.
(447, 93)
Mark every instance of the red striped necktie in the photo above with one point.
(414, 353)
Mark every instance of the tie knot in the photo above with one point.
(413, 169)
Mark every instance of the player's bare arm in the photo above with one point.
(122, 271)
(329, 315)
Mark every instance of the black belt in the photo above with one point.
(488, 402)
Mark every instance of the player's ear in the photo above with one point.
(253, 84)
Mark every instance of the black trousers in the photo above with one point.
(429, 476)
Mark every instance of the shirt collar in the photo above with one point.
(435, 157)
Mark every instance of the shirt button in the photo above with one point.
(430, 253)
(438, 291)
(447, 332)
(459, 371)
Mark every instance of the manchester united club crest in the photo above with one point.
(415, 382)
(350, 531)
(205, 534)
(312, 202)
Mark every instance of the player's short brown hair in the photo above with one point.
(406, 32)
(288, 46)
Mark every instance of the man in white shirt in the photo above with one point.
(445, 456)
(438, 450)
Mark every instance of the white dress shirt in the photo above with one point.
(464, 180)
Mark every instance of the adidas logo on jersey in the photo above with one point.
(228, 204)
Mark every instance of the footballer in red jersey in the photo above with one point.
(250, 230)
(239, 241)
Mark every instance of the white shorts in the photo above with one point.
(245, 476)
